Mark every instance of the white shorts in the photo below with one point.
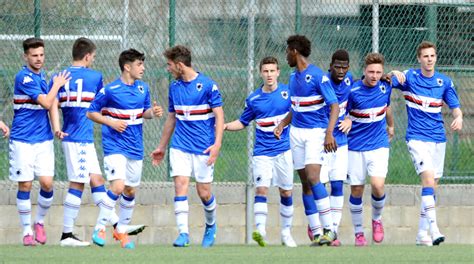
(335, 168)
(81, 161)
(119, 167)
(28, 161)
(276, 171)
(191, 165)
(363, 163)
(427, 156)
(307, 146)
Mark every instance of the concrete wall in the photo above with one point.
(455, 209)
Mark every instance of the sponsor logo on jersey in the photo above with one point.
(27, 79)
(284, 94)
(325, 79)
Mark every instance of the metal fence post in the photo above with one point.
(37, 14)
(375, 25)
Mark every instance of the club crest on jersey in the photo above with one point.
(347, 81)
(141, 89)
(308, 78)
(383, 89)
(439, 81)
(199, 86)
(284, 94)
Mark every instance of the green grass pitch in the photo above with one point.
(239, 254)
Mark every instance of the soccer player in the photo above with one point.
(197, 119)
(424, 90)
(335, 170)
(77, 137)
(368, 143)
(311, 134)
(121, 107)
(5, 130)
(31, 140)
(272, 160)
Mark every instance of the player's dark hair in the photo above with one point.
(424, 45)
(82, 47)
(179, 53)
(32, 43)
(340, 55)
(269, 60)
(129, 56)
(374, 58)
(300, 43)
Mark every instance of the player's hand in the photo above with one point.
(157, 110)
(213, 153)
(456, 125)
(62, 78)
(390, 132)
(225, 126)
(400, 76)
(330, 144)
(119, 125)
(386, 78)
(5, 129)
(157, 156)
(277, 131)
(345, 126)
(60, 134)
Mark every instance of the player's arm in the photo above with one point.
(219, 132)
(285, 122)
(456, 125)
(156, 110)
(118, 125)
(400, 78)
(54, 119)
(330, 144)
(235, 125)
(158, 154)
(47, 100)
(4, 128)
(390, 123)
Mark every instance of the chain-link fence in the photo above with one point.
(229, 37)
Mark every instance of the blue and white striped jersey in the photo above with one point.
(193, 102)
(268, 109)
(120, 101)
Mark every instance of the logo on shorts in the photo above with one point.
(141, 89)
(18, 172)
(82, 168)
(82, 160)
(284, 94)
(258, 179)
(199, 86)
(81, 175)
(112, 171)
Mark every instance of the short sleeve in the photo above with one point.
(215, 98)
(450, 96)
(99, 101)
(248, 115)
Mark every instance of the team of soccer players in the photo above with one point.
(327, 127)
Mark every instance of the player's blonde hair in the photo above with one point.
(374, 58)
